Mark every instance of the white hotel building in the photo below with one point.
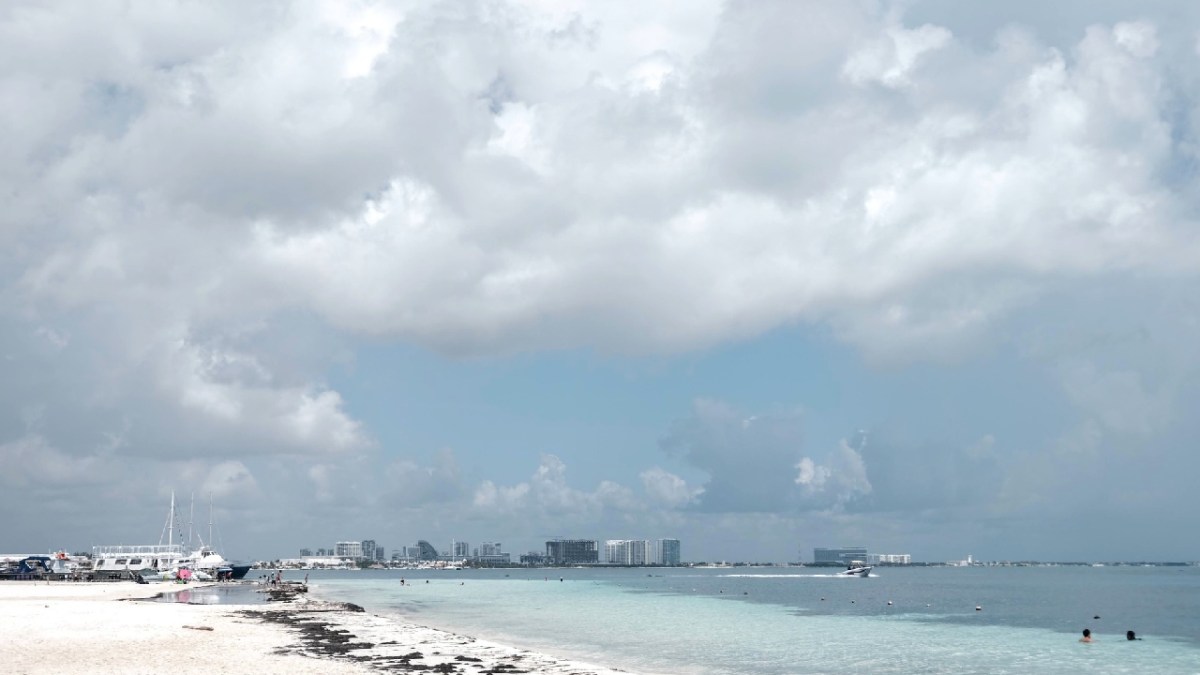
(348, 549)
(641, 552)
(889, 559)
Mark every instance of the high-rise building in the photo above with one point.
(534, 558)
(840, 556)
(305, 552)
(572, 551)
(380, 554)
(426, 551)
(489, 548)
(663, 552)
(368, 549)
(625, 551)
(461, 549)
(348, 549)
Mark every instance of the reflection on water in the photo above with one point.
(224, 594)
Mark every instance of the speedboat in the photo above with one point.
(856, 569)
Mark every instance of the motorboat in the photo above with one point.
(856, 569)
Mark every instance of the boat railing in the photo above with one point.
(147, 550)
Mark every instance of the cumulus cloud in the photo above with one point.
(194, 192)
(890, 57)
(756, 463)
(483, 221)
(547, 494)
(668, 489)
(841, 478)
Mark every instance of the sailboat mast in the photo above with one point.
(210, 539)
(171, 521)
(191, 516)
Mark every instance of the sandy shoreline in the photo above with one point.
(85, 628)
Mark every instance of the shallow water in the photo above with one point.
(800, 620)
(222, 594)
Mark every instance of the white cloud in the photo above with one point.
(839, 480)
(668, 489)
(465, 228)
(890, 57)
(204, 202)
(234, 389)
(548, 496)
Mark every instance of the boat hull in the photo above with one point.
(857, 572)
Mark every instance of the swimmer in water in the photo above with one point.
(1087, 635)
(1130, 635)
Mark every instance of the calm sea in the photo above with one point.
(801, 620)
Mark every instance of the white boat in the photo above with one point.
(162, 562)
(856, 569)
(149, 561)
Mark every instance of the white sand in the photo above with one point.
(69, 627)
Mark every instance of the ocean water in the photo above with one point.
(802, 620)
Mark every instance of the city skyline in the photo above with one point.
(763, 276)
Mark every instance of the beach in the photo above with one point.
(102, 628)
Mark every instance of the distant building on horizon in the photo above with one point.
(348, 549)
(534, 559)
(426, 551)
(572, 552)
(663, 552)
(642, 552)
(840, 556)
(625, 551)
(368, 549)
(889, 559)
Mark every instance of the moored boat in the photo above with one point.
(164, 562)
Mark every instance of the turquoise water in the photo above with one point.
(797, 620)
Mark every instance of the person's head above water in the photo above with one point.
(1129, 635)
(1087, 634)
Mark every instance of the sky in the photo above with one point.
(915, 275)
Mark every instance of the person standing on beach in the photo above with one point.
(1087, 635)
